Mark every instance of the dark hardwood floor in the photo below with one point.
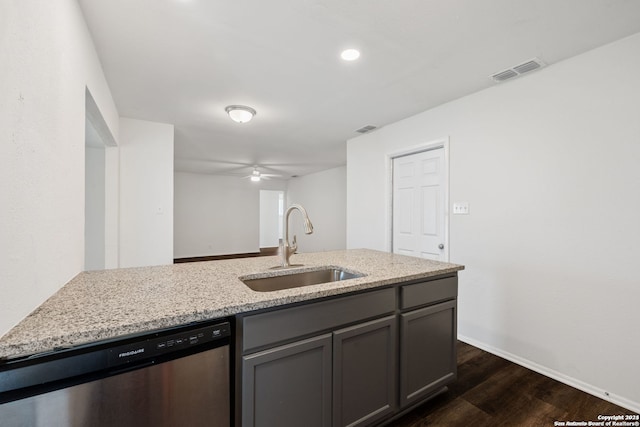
(271, 251)
(491, 391)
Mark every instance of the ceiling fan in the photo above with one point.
(256, 175)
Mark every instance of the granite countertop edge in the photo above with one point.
(78, 314)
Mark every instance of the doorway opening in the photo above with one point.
(271, 217)
(101, 191)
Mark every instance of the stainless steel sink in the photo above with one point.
(297, 280)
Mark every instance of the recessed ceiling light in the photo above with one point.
(240, 113)
(350, 54)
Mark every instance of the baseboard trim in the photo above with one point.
(558, 376)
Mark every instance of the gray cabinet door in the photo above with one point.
(364, 372)
(288, 385)
(427, 351)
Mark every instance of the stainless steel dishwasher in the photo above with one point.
(174, 377)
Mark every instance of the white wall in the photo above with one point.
(95, 208)
(323, 195)
(217, 215)
(47, 60)
(102, 200)
(112, 207)
(146, 193)
(549, 165)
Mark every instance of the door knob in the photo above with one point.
(441, 246)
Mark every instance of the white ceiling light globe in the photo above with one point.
(350, 54)
(240, 113)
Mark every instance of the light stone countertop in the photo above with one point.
(98, 305)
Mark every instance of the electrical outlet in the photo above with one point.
(461, 208)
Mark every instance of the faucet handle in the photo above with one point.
(294, 245)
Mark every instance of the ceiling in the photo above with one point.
(184, 61)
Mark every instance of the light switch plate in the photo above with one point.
(461, 208)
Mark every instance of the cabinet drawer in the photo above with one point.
(424, 293)
(276, 326)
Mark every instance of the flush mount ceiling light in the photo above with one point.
(240, 113)
(350, 54)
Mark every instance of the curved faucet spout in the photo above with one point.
(286, 249)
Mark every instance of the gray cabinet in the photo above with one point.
(288, 385)
(364, 372)
(427, 351)
(293, 384)
(354, 360)
(340, 376)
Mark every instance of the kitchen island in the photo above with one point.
(98, 305)
(351, 352)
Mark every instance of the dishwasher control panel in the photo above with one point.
(159, 346)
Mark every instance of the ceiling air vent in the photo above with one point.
(504, 75)
(365, 129)
(525, 67)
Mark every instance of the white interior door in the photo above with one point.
(419, 205)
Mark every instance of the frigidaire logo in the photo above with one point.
(131, 353)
